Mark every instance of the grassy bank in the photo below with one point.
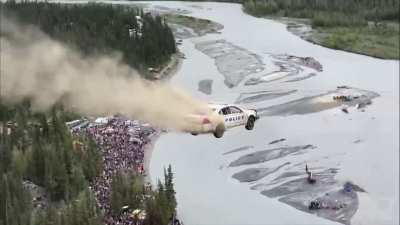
(376, 42)
(199, 26)
(360, 26)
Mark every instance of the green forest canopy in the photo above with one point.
(144, 40)
(355, 12)
(40, 149)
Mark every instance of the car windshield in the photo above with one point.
(234, 109)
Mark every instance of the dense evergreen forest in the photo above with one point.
(143, 40)
(235, 1)
(37, 148)
(328, 12)
(37, 152)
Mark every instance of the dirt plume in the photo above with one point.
(46, 71)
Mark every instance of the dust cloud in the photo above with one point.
(36, 67)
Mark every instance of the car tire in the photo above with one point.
(250, 123)
(219, 130)
(194, 134)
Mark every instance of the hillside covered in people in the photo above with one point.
(50, 175)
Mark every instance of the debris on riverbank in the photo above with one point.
(320, 194)
(356, 98)
(326, 197)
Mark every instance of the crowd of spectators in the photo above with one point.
(122, 143)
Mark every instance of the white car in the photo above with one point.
(224, 116)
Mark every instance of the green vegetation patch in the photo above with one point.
(361, 26)
(142, 39)
(380, 42)
(37, 147)
(38, 152)
(199, 26)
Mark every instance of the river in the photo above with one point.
(206, 192)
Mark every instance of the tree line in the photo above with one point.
(234, 1)
(328, 12)
(144, 40)
(38, 148)
(160, 204)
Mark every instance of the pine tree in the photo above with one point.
(169, 189)
(15, 201)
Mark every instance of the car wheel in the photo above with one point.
(194, 134)
(219, 130)
(250, 123)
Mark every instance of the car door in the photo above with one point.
(237, 115)
(226, 113)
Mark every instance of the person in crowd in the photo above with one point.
(122, 144)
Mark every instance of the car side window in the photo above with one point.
(225, 111)
(234, 109)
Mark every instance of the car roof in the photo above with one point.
(220, 106)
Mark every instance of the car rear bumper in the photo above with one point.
(202, 129)
(207, 128)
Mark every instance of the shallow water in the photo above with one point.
(206, 191)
